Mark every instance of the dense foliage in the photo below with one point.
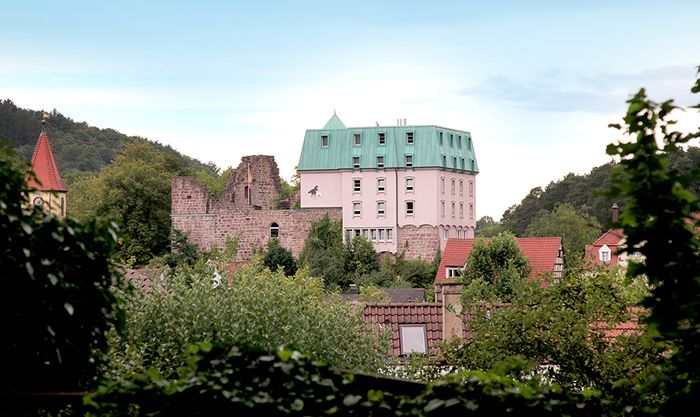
(355, 261)
(133, 191)
(78, 147)
(234, 381)
(252, 306)
(660, 222)
(56, 301)
(577, 229)
(276, 256)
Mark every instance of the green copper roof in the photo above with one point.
(334, 123)
(334, 147)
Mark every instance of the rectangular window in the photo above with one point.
(365, 233)
(324, 141)
(348, 235)
(380, 162)
(452, 186)
(357, 232)
(459, 141)
(440, 138)
(356, 185)
(381, 234)
(409, 160)
(459, 234)
(409, 208)
(381, 206)
(389, 234)
(409, 185)
(452, 142)
(461, 210)
(358, 139)
(462, 164)
(444, 161)
(442, 208)
(461, 187)
(356, 209)
(452, 272)
(355, 161)
(452, 212)
(409, 138)
(373, 234)
(381, 137)
(446, 233)
(442, 185)
(381, 185)
(471, 188)
(471, 211)
(454, 163)
(413, 339)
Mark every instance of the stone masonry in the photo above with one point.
(208, 221)
(418, 242)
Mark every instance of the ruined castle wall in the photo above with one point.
(265, 186)
(418, 241)
(252, 227)
(189, 196)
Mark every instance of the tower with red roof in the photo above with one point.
(47, 189)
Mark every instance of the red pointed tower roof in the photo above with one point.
(45, 168)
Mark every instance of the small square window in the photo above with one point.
(409, 185)
(357, 232)
(381, 185)
(380, 162)
(409, 160)
(356, 209)
(355, 161)
(409, 208)
(356, 185)
(409, 138)
(381, 137)
(324, 141)
(358, 139)
(381, 206)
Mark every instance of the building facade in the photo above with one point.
(404, 188)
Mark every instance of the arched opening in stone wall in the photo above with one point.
(274, 230)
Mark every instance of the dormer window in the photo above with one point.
(409, 160)
(324, 141)
(358, 139)
(380, 162)
(381, 137)
(355, 162)
(409, 138)
(604, 254)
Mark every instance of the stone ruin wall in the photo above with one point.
(418, 242)
(208, 221)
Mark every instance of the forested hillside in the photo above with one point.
(78, 147)
(584, 204)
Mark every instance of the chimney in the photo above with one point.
(451, 310)
(615, 212)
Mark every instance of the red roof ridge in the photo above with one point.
(48, 178)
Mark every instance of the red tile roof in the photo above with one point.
(392, 315)
(542, 252)
(45, 168)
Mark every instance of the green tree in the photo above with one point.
(324, 253)
(276, 256)
(56, 301)
(255, 307)
(134, 191)
(659, 221)
(578, 229)
(497, 267)
(213, 179)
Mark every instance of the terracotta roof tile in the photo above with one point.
(45, 168)
(392, 315)
(542, 252)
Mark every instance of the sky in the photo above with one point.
(535, 82)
